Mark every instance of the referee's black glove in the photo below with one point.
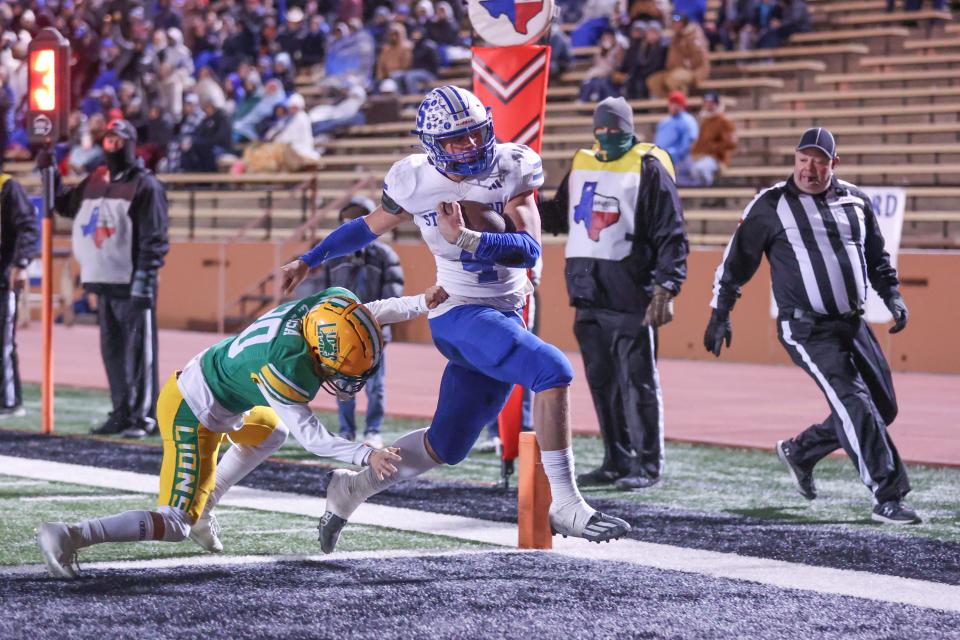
(719, 330)
(898, 309)
(142, 289)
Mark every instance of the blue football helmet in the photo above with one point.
(449, 112)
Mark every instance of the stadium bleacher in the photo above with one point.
(879, 80)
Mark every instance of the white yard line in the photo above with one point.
(125, 496)
(22, 483)
(859, 584)
(210, 560)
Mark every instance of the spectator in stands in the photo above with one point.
(377, 27)
(442, 29)
(86, 154)
(561, 52)
(425, 66)
(292, 34)
(724, 31)
(351, 53)
(373, 273)
(341, 107)
(315, 42)
(284, 71)
(208, 87)
(677, 132)
(688, 61)
(646, 10)
(396, 56)
(266, 99)
(694, 9)
(166, 16)
(157, 136)
(789, 17)
(599, 81)
(646, 55)
(170, 91)
(183, 136)
(715, 144)
(288, 143)
(597, 16)
(211, 140)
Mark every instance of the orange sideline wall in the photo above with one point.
(194, 275)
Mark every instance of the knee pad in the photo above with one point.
(261, 430)
(176, 524)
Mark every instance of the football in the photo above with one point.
(480, 216)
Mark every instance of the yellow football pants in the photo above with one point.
(189, 468)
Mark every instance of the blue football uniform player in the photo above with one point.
(479, 328)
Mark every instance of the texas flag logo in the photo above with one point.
(98, 228)
(596, 211)
(518, 12)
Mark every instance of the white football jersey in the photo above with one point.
(418, 187)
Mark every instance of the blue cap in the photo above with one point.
(818, 138)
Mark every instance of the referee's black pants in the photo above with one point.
(620, 358)
(128, 344)
(10, 392)
(844, 358)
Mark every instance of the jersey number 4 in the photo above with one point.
(486, 271)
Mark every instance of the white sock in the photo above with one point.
(239, 461)
(415, 461)
(558, 465)
(129, 526)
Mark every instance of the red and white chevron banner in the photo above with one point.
(513, 82)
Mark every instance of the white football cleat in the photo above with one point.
(579, 521)
(58, 549)
(340, 506)
(206, 533)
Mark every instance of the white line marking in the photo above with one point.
(212, 560)
(22, 483)
(126, 496)
(787, 575)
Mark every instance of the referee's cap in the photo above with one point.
(819, 138)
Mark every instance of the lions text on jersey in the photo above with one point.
(416, 186)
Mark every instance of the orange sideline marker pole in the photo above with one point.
(46, 323)
(533, 497)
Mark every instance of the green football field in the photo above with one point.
(698, 478)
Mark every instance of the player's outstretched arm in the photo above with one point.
(349, 237)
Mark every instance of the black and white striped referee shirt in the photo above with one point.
(823, 250)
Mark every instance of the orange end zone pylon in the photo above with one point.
(533, 497)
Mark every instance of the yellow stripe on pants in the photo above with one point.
(189, 467)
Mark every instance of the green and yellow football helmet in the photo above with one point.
(347, 342)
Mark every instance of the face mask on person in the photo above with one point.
(613, 145)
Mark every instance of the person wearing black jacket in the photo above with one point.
(119, 217)
(18, 246)
(626, 260)
(373, 273)
(212, 139)
(821, 237)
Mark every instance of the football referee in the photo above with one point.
(821, 237)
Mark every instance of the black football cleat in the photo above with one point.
(802, 478)
(895, 512)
